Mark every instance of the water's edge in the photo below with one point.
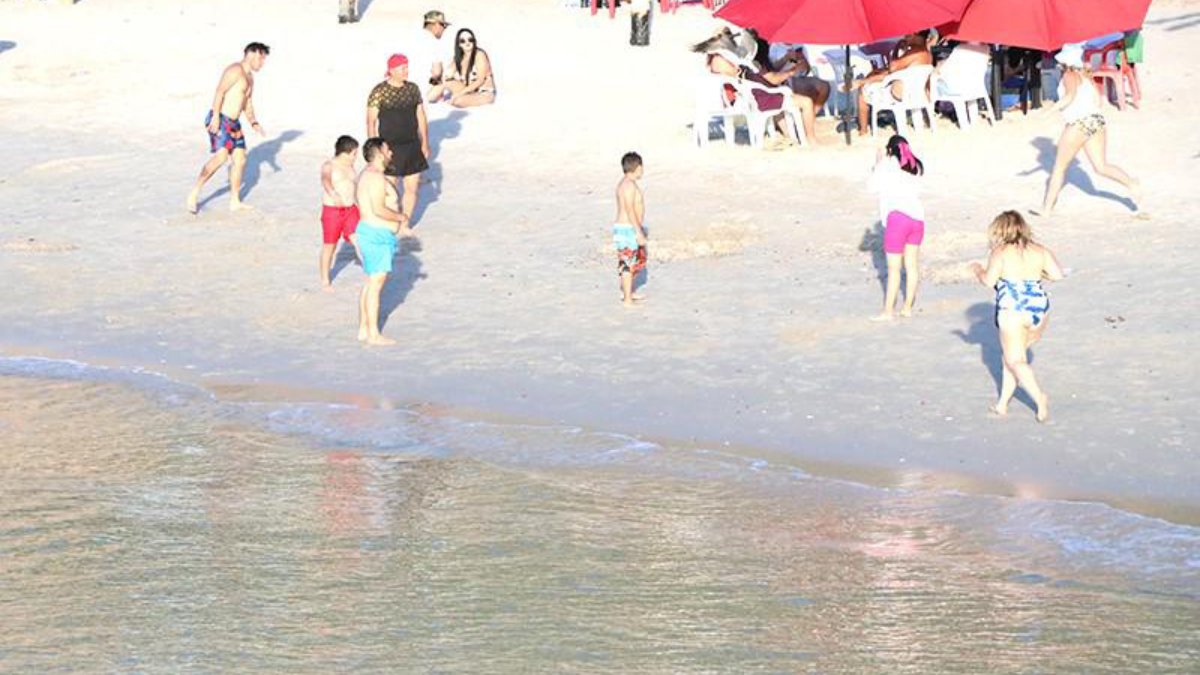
(277, 395)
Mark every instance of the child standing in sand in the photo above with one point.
(897, 178)
(629, 235)
(339, 215)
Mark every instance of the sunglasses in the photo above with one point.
(466, 41)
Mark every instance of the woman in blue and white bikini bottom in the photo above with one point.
(1016, 267)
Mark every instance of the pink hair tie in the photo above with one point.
(906, 156)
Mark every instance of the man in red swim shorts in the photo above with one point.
(339, 215)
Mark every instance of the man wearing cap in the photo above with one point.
(396, 113)
(428, 53)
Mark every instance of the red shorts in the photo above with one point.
(631, 260)
(338, 221)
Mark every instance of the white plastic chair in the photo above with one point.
(831, 67)
(915, 79)
(711, 103)
(759, 121)
(973, 91)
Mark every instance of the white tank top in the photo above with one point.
(1086, 101)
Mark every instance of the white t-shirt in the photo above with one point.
(898, 190)
(966, 67)
(423, 50)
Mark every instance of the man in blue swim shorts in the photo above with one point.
(226, 141)
(376, 233)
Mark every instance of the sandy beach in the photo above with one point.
(765, 266)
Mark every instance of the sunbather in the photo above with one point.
(725, 64)
(913, 50)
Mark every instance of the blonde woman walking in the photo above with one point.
(1015, 268)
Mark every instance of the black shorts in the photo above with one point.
(407, 158)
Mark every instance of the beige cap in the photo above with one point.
(434, 16)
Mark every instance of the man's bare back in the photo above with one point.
(630, 207)
(342, 178)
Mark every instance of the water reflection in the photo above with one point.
(141, 536)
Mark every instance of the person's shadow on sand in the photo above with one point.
(344, 256)
(263, 153)
(431, 180)
(6, 45)
(1047, 150)
(1174, 23)
(872, 241)
(983, 332)
(406, 271)
(363, 6)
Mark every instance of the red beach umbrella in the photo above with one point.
(839, 21)
(1044, 24)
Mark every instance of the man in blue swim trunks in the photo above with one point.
(234, 96)
(376, 233)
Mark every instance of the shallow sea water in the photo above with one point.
(147, 526)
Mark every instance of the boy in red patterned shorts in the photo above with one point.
(629, 235)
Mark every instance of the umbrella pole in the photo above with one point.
(998, 56)
(849, 97)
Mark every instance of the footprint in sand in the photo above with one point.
(69, 165)
(31, 245)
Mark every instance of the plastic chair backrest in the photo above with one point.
(973, 78)
(837, 60)
(1110, 56)
(915, 79)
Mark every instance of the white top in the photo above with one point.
(1085, 103)
(898, 190)
(423, 50)
(966, 67)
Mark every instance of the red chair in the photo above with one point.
(1109, 64)
(612, 7)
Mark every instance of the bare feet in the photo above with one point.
(1043, 408)
(906, 312)
(240, 206)
(998, 409)
(192, 199)
(885, 316)
(327, 287)
(363, 334)
(380, 341)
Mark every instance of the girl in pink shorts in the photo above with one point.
(897, 179)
